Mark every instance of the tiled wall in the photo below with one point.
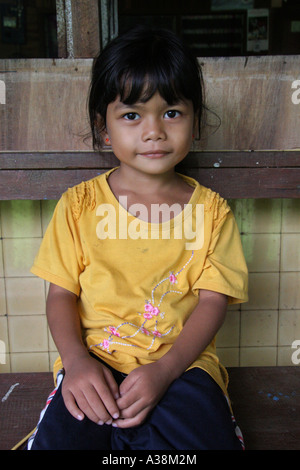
(260, 332)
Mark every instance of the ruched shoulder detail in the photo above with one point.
(217, 205)
(80, 196)
(221, 209)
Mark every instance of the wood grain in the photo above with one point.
(253, 98)
(45, 106)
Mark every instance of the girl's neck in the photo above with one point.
(151, 189)
(130, 179)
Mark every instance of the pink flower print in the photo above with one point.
(150, 311)
(114, 331)
(148, 315)
(173, 278)
(155, 311)
(105, 344)
(157, 333)
(148, 307)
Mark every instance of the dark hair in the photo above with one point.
(135, 65)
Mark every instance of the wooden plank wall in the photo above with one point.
(252, 149)
(251, 96)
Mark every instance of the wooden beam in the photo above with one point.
(48, 175)
(250, 182)
(236, 183)
(106, 159)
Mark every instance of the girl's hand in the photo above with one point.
(90, 389)
(140, 392)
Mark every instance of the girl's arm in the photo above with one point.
(145, 386)
(88, 387)
(198, 332)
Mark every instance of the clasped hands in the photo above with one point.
(89, 389)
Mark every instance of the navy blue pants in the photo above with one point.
(193, 415)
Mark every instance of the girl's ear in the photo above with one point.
(105, 138)
(101, 131)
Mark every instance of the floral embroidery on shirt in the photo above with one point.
(152, 310)
(114, 331)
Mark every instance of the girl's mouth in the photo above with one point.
(154, 153)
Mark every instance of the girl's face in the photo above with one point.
(151, 137)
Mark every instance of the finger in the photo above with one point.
(127, 400)
(131, 422)
(130, 392)
(128, 383)
(84, 406)
(92, 404)
(111, 382)
(71, 406)
(108, 402)
(133, 410)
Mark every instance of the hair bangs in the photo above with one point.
(140, 85)
(135, 88)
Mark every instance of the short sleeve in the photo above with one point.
(225, 269)
(60, 258)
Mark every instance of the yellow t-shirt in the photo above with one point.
(138, 282)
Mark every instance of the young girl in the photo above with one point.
(142, 262)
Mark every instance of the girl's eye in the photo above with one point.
(131, 116)
(172, 114)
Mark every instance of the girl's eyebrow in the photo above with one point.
(121, 105)
(141, 104)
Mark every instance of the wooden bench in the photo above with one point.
(266, 403)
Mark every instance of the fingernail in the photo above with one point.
(114, 425)
(116, 415)
(108, 421)
(100, 422)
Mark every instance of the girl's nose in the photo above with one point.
(153, 130)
